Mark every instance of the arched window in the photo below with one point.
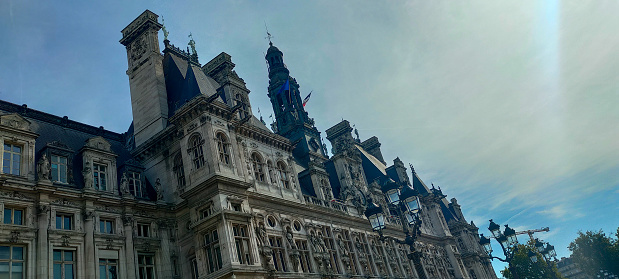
(179, 171)
(195, 149)
(326, 190)
(271, 171)
(283, 175)
(240, 100)
(223, 146)
(258, 166)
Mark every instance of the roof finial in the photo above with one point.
(268, 34)
(192, 44)
(356, 133)
(165, 32)
(412, 168)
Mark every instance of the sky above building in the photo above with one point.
(509, 106)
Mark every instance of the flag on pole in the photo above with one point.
(284, 87)
(307, 98)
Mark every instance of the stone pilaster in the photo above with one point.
(129, 253)
(89, 244)
(164, 235)
(42, 241)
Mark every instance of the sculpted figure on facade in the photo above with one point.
(158, 189)
(88, 178)
(44, 168)
(124, 185)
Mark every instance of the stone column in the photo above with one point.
(455, 262)
(166, 263)
(89, 244)
(129, 253)
(42, 241)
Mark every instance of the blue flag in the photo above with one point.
(285, 87)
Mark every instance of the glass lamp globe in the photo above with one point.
(495, 229)
(510, 234)
(376, 217)
(533, 256)
(485, 242)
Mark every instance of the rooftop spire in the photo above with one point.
(192, 44)
(269, 36)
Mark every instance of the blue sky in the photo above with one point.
(509, 106)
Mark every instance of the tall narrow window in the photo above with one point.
(224, 148)
(64, 264)
(240, 101)
(179, 171)
(11, 159)
(306, 264)
(100, 176)
(283, 174)
(13, 216)
(241, 240)
(194, 269)
(146, 267)
(279, 255)
(135, 184)
(143, 230)
(213, 251)
(108, 268)
(258, 166)
(195, 149)
(59, 168)
(12, 263)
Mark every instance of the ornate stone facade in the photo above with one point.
(200, 188)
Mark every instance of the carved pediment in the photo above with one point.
(15, 120)
(99, 143)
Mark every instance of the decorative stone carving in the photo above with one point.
(88, 214)
(65, 240)
(14, 237)
(44, 169)
(99, 143)
(88, 178)
(159, 190)
(124, 185)
(14, 120)
(127, 220)
(42, 209)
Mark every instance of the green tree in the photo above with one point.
(594, 251)
(525, 268)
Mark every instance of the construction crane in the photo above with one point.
(530, 232)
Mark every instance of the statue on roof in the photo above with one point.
(165, 32)
(192, 44)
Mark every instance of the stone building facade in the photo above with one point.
(200, 188)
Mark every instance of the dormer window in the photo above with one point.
(135, 184)
(11, 159)
(100, 176)
(179, 171)
(59, 168)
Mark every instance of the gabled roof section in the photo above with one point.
(184, 81)
(372, 167)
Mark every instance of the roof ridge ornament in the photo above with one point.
(165, 31)
(412, 168)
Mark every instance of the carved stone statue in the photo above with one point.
(88, 178)
(124, 185)
(158, 189)
(261, 231)
(44, 169)
(290, 239)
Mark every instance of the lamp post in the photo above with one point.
(405, 201)
(508, 241)
(548, 253)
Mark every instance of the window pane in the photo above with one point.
(5, 252)
(101, 226)
(58, 222)
(17, 217)
(102, 271)
(54, 172)
(7, 216)
(16, 149)
(68, 255)
(67, 223)
(57, 270)
(18, 253)
(63, 173)
(68, 271)
(112, 272)
(63, 160)
(4, 270)
(57, 255)
(17, 271)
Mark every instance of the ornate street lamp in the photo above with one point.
(404, 200)
(375, 214)
(510, 234)
(507, 239)
(485, 242)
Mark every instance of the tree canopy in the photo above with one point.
(525, 268)
(595, 251)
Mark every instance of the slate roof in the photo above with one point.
(74, 135)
